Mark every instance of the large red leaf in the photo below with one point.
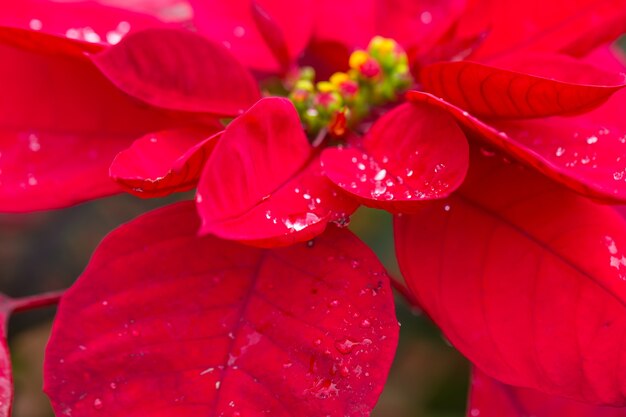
(586, 152)
(83, 20)
(164, 162)
(574, 27)
(61, 125)
(252, 40)
(166, 323)
(532, 86)
(263, 183)
(491, 398)
(415, 152)
(179, 70)
(525, 278)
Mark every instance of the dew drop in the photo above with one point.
(35, 24)
(113, 385)
(559, 151)
(475, 412)
(239, 31)
(380, 175)
(365, 323)
(97, 404)
(426, 17)
(334, 303)
(447, 207)
(344, 346)
(592, 139)
(310, 243)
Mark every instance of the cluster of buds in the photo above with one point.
(376, 76)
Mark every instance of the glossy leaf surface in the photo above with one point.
(263, 183)
(179, 70)
(414, 153)
(531, 86)
(61, 128)
(164, 162)
(223, 329)
(525, 278)
(490, 398)
(253, 40)
(586, 152)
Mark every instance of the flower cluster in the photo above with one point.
(493, 132)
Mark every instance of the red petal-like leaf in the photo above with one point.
(164, 162)
(413, 153)
(83, 20)
(179, 70)
(586, 152)
(166, 323)
(234, 24)
(572, 27)
(491, 398)
(61, 127)
(559, 85)
(264, 185)
(525, 278)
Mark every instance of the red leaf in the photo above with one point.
(61, 128)
(87, 21)
(414, 153)
(572, 27)
(558, 86)
(525, 278)
(179, 70)
(490, 398)
(264, 185)
(235, 25)
(586, 152)
(164, 162)
(166, 323)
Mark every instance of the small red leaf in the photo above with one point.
(413, 153)
(179, 70)
(165, 162)
(164, 322)
(61, 128)
(535, 293)
(536, 86)
(586, 152)
(491, 398)
(263, 184)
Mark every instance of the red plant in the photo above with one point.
(253, 299)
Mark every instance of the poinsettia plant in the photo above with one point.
(493, 131)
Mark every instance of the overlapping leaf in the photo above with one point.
(414, 153)
(585, 152)
(165, 323)
(525, 278)
(164, 162)
(263, 183)
(255, 40)
(61, 128)
(179, 70)
(490, 398)
(530, 86)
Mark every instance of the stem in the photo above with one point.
(35, 301)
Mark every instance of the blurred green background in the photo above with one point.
(48, 250)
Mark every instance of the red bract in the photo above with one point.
(535, 295)
(217, 328)
(524, 277)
